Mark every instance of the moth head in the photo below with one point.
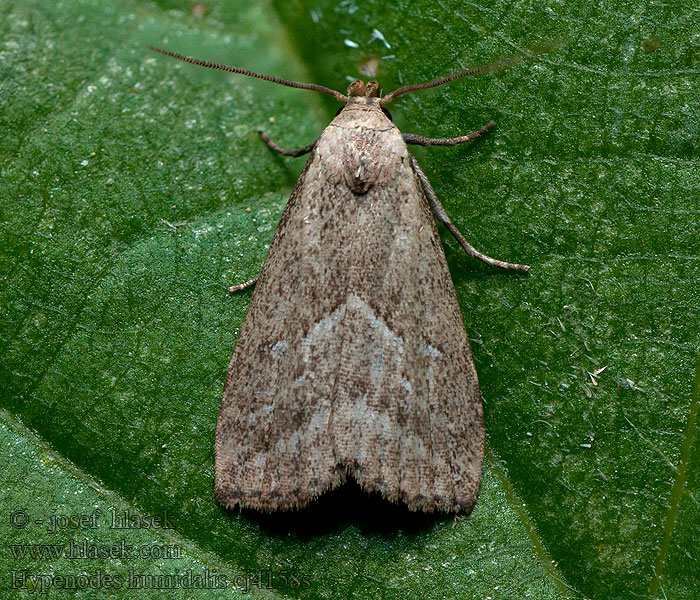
(359, 88)
(369, 90)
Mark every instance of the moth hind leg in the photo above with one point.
(440, 214)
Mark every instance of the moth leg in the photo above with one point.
(419, 140)
(441, 215)
(298, 152)
(276, 148)
(242, 286)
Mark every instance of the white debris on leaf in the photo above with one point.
(378, 35)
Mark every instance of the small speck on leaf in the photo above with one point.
(369, 66)
(651, 44)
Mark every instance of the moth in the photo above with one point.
(353, 360)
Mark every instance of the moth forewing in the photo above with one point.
(353, 359)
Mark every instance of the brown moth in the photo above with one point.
(353, 360)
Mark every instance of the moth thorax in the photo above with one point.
(368, 90)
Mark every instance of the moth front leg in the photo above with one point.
(440, 214)
(276, 148)
(298, 152)
(419, 140)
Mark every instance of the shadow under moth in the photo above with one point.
(353, 359)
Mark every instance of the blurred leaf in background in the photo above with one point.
(134, 190)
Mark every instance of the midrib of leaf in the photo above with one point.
(538, 547)
(678, 485)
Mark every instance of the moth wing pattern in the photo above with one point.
(353, 359)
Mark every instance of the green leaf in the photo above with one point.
(134, 190)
